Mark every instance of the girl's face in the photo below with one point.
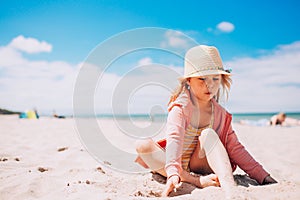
(205, 87)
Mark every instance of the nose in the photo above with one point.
(209, 83)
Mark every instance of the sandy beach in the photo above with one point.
(45, 159)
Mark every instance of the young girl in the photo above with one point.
(201, 147)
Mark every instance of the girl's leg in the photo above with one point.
(151, 155)
(211, 156)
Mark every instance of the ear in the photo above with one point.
(188, 81)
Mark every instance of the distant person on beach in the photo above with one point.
(201, 147)
(58, 116)
(279, 119)
(282, 119)
(36, 113)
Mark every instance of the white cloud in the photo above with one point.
(9, 56)
(267, 83)
(30, 45)
(26, 84)
(145, 61)
(226, 27)
(175, 39)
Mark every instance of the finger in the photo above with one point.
(168, 189)
(217, 184)
(178, 185)
(175, 182)
(215, 178)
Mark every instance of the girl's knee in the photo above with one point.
(208, 138)
(144, 146)
(209, 133)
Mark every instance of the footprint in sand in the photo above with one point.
(99, 169)
(42, 169)
(3, 159)
(6, 159)
(62, 149)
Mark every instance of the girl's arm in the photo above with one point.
(240, 156)
(175, 136)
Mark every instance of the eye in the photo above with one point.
(216, 78)
(202, 79)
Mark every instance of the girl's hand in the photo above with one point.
(269, 180)
(172, 183)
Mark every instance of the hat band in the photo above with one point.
(206, 69)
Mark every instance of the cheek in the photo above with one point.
(216, 87)
(197, 86)
(218, 83)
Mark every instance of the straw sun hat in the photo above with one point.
(203, 60)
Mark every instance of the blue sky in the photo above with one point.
(258, 32)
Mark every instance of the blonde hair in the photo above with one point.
(225, 87)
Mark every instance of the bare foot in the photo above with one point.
(209, 180)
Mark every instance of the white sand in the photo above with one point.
(28, 147)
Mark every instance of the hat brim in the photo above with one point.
(205, 73)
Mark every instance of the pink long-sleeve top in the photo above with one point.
(179, 116)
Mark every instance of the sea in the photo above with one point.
(236, 117)
(258, 116)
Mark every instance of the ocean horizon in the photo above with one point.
(236, 117)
